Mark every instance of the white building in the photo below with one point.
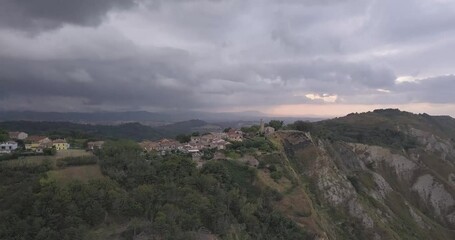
(8, 147)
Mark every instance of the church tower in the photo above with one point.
(261, 129)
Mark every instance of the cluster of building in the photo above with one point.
(32, 143)
(12, 145)
(213, 140)
(39, 143)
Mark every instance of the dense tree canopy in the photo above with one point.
(303, 126)
(3, 135)
(160, 197)
(277, 124)
(183, 138)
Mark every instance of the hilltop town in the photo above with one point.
(196, 144)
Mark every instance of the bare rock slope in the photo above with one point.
(388, 177)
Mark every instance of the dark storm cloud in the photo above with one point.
(122, 82)
(196, 54)
(35, 15)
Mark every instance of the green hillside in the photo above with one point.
(384, 174)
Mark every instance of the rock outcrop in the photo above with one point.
(374, 191)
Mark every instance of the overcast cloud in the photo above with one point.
(64, 55)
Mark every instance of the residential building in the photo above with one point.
(210, 140)
(235, 135)
(17, 135)
(162, 145)
(220, 135)
(95, 145)
(38, 139)
(169, 144)
(37, 143)
(150, 146)
(195, 139)
(207, 138)
(60, 144)
(8, 147)
(219, 144)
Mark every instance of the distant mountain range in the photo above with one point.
(135, 131)
(146, 118)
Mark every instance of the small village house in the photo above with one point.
(207, 138)
(17, 135)
(162, 145)
(219, 144)
(169, 144)
(91, 146)
(235, 135)
(195, 139)
(37, 143)
(219, 135)
(8, 147)
(60, 144)
(150, 146)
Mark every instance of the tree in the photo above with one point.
(277, 124)
(3, 136)
(183, 138)
(116, 148)
(50, 151)
(146, 196)
(253, 129)
(303, 126)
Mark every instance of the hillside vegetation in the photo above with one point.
(144, 196)
(385, 174)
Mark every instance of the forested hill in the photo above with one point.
(130, 195)
(134, 131)
(383, 127)
(380, 175)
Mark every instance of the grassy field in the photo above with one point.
(81, 173)
(62, 175)
(35, 160)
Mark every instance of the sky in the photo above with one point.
(285, 58)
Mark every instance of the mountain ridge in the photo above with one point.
(152, 118)
(373, 186)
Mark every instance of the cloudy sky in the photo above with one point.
(288, 57)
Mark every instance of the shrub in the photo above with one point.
(277, 175)
(50, 151)
(77, 161)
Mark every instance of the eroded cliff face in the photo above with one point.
(360, 191)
